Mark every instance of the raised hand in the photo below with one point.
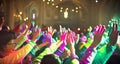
(47, 38)
(63, 34)
(71, 41)
(26, 31)
(36, 34)
(71, 37)
(114, 34)
(51, 30)
(98, 32)
(22, 37)
(83, 38)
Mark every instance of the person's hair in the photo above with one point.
(5, 37)
(49, 59)
(2, 14)
(71, 61)
(1, 17)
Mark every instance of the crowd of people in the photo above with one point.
(28, 43)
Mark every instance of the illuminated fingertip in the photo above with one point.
(26, 26)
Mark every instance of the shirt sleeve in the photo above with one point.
(20, 40)
(104, 52)
(49, 50)
(17, 56)
(89, 55)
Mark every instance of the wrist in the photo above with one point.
(92, 49)
(50, 33)
(32, 43)
(34, 40)
(94, 45)
(73, 56)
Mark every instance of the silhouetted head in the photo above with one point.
(6, 38)
(49, 59)
(1, 18)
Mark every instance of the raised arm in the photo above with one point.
(17, 56)
(91, 51)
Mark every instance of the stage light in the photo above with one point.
(73, 10)
(67, 8)
(61, 8)
(43, 0)
(61, 11)
(60, 0)
(56, 6)
(53, 4)
(52, 0)
(66, 14)
(78, 29)
(76, 7)
(76, 11)
(48, 3)
(20, 13)
(26, 18)
(96, 1)
(33, 16)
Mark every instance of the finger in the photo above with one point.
(50, 28)
(64, 29)
(60, 29)
(113, 28)
(96, 29)
(103, 27)
(116, 25)
(69, 29)
(53, 31)
(26, 29)
(100, 28)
